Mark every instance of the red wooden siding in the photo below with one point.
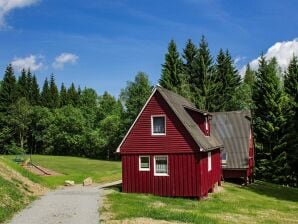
(183, 179)
(209, 178)
(251, 155)
(177, 139)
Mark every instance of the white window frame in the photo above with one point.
(206, 124)
(140, 167)
(161, 174)
(152, 128)
(224, 161)
(209, 161)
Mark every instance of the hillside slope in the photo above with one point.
(16, 191)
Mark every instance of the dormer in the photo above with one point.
(201, 118)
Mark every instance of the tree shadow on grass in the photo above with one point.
(274, 190)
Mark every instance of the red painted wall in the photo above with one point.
(177, 139)
(188, 168)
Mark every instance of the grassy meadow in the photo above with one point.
(257, 203)
(70, 168)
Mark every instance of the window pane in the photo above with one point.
(144, 162)
(159, 125)
(224, 156)
(161, 165)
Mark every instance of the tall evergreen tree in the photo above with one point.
(54, 93)
(171, 69)
(34, 92)
(23, 85)
(225, 82)
(8, 91)
(249, 76)
(63, 96)
(46, 94)
(291, 131)
(268, 121)
(200, 78)
(72, 95)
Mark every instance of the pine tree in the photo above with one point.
(72, 95)
(171, 69)
(268, 121)
(249, 76)
(34, 92)
(46, 94)
(224, 84)
(63, 96)
(291, 133)
(54, 102)
(200, 78)
(189, 55)
(23, 88)
(8, 91)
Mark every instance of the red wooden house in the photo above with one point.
(169, 151)
(234, 130)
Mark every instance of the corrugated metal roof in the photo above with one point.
(233, 130)
(178, 105)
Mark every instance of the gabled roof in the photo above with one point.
(233, 129)
(179, 104)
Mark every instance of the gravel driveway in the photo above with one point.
(69, 205)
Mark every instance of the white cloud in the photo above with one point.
(64, 58)
(282, 51)
(239, 59)
(6, 6)
(31, 62)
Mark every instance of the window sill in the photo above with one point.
(161, 175)
(144, 169)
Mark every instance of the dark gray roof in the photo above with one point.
(233, 130)
(178, 105)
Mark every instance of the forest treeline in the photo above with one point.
(71, 121)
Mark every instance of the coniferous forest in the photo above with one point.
(64, 120)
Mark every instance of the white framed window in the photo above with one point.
(161, 166)
(209, 161)
(206, 124)
(224, 158)
(144, 163)
(158, 125)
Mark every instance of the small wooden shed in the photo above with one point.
(234, 130)
(169, 151)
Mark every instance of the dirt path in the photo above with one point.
(75, 205)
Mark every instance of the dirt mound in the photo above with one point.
(23, 183)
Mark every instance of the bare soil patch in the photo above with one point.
(41, 171)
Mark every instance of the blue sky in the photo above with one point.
(102, 44)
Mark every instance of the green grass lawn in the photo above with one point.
(258, 203)
(71, 168)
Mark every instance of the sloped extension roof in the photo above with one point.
(233, 129)
(179, 104)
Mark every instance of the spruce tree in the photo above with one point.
(63, 96)
(72, 95)
(291, 133)
(8, 91)
(224, 83)
(54, 102)
(34, 92)
(46, 94)
(23, 87)
(268, 121)
(249, 76)
(200, 78)
(171, 69)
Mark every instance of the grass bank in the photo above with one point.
(71, 168)
(258, 203)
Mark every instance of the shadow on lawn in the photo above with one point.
(274, 190)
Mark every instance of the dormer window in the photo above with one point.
(158, 125)
(224, 157)
(206, 125)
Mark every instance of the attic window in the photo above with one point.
(158, 125)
